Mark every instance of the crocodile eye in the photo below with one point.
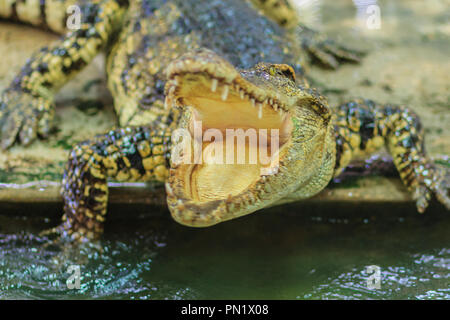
(284, 70)
(288, 72)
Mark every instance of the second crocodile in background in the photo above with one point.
(229, 65)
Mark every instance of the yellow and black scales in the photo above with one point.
(141, 38)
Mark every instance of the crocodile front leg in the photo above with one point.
(126, 154)
(26, 106)
(362, 126)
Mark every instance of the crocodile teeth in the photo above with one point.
(180, 205)
(260, 110)
(166, 103)
(168, 99)
(253, 102)
(214, 84)
(226, 88)
(242, 94)
(169, 189)
(275, 106)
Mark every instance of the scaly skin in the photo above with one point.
(170, 63)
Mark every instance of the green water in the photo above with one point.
(312, 251)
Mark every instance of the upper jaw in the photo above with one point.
(222, 78)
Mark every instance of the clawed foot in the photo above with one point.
(325, 51)
(23, 118)
(435, 181)
(77, 250)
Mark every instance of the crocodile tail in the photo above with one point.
(51, 15)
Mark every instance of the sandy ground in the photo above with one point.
(407, 63)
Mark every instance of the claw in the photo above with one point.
(28, 132)
(44, 125)
(326, 59)
(422, 196)
(342, 53)
(441, 191)
(9, 132)
(442, 196)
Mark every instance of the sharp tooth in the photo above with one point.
(280, 112)
(260, 110)
(180, 205)
(166, 103)
(270, 101)
(169, 96)
(253, 102)
(214, 84)
(226, 88)
(177, 80)
(242, 94)
(169, 189)
(275, 106)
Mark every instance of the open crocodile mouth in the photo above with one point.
(234, 132)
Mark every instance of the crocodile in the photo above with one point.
(234, 65)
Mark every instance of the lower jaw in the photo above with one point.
(221, 175)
